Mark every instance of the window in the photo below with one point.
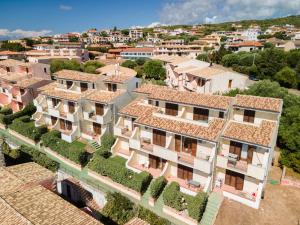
(229, 83)
(55, 102)
(201, 82)
(156, 103)
(159, 137)
(83, 87)
(171, 109)
(150, 102)
(45, 70)
(112, 87)
(221, 114)
(22, 91)
(27, 70)
(136, 84)
(200, 114)
(190, 146)
(99, 109)
(71, 106)
(69, 84)
(249, 116)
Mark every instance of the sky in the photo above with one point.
(25, 18)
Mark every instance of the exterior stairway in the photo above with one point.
(212, 208)
(95, 145)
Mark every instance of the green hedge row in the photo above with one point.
(27, 111)
(26, 127)
(74, 151)
(107, 140)
(157, 186)
(120, 174)
(194, 204)
(150, 217)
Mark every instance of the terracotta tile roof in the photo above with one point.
(29, 82)
(76, 75)
(43, 207)
(10, 53)
(14, 77)
(171, 59)
(247, 44)
(137, 221)
(103, 96)
(9, 182)
(12, 62)
(259, 135)
(137, 109)
(50, 86)
(259, 103)
(144, 49)
(116, 73)
(209, 132)
(207, 72)
(188, 98)
(63, 94)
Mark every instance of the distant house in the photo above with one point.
(134, 53)
(246, 46)
(11, 55)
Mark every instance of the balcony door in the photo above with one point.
(250, 151)
(234, 179)
(97, 128)
(69, 84)
(171, 109)
(62, 124)
(189, 146)
(83, 87)
(69, 125)
(53, 120)
(200, 114)
(156, 162)
(177, 143)
(71, 106)
(249, 116)
(236, 148)
(99, 109)
(184, 172)
(159, 137)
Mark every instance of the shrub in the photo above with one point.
(157, 186)
(151, 217)
(196, 205)
(118, 208)
(173, 197)
(74, 151)
(24, 126)
(6, 111)
(120, 174)
(13, 153)
(107, 142)
(28, 110)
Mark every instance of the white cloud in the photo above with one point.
(155, 24)
(65, 7)
(19, 33)
(201, 11)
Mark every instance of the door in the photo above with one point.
(54, 102)
(229, 84)
(159, 137)
(236, 148)
(71, 106)
(249, 116)
(171, 109)
(185, 173)
(69, 125)
(234, 179)
(200, 114)
(69, 84)
(250, 154)
(97, 128)
(177, 143)
(83, 87)
(153, 161)
(99, 109)
(62, 124)
(53, 120)
(190, 146)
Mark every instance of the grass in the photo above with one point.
(291, 173)
(117, 159)
(78, 144)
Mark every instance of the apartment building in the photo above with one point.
(135, 34)
(85, 105)
(246, 148)
(198, 76)
(135, 53)
(203, 142)
(20, 82)
(190, 51)
(246, 46)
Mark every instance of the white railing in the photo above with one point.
(118, 127)
(73, 116)
(134, 140)
(70, 137)
(55, 111)
(256, 171)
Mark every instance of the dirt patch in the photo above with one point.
(281, 206)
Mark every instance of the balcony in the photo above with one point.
(55, 111)
(102, 119)
(73, 117)
(121, 148)
(69, 135)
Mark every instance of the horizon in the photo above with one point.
(76, 16)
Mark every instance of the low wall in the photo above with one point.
(21, 137)
(115, 185)
(65, 160)
(179, 216)
(290, 182)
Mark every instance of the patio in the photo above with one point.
(232, 190)
(184, 184)
(154, 172)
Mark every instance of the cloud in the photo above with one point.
(213, 11)
(65, 7)
(155, 24)
(19, 33)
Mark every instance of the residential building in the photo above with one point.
(186, 74)
(11, 55)
(134, 53)
(20, 82)
(135, 34)
(246, 148)
(285, 45)
(246, 46)
(203, 142)
(26, 198)
(191, 51)
(85, 105)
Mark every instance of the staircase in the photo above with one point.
(212, 208)
(95, 145)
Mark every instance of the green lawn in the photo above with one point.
(118, 159)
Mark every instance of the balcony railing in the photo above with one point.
(102, 119)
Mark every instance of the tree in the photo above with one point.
(140, 61)
(267, 88)
(58, 64)
(282, 36)
(73, 39)
(154, 69)
(287, 77)
(293, 58)
(15, 47)
(84, 35)
(103, 34)
(203, 57)
(129, 64)
(268, 45)
(125, 32)
(29, 42)
(91, 66)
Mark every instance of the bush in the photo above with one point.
(151, 217)
(74, 151)
(120, 174)
(118, 208)
(194, 204)
(129, 64)
(40, 158)
(6, 111)
(13, 153)
(28, 110)
(25, 127)
(107, 142)
(157, 186)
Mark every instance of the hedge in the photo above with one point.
(28, 110)
(157, 186)
(40, 158)
(150, 217)
(6, 111)
(194, 204)
(107, 141)
(24, 126)
(74, 151)
(120, 174)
